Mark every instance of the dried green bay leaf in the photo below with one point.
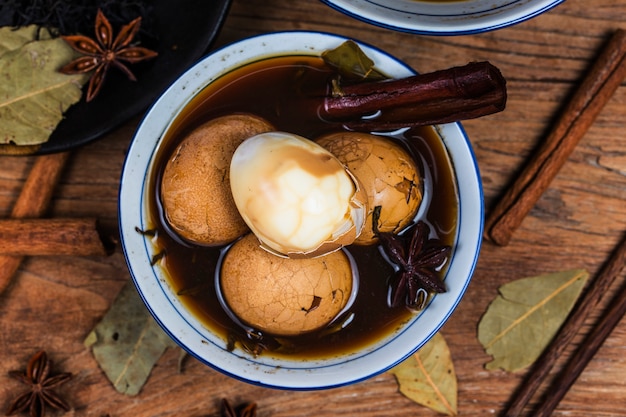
(428, 377)
(33, 94)
(522, 320)
(13, 39)
(128, 342)
(351, 62)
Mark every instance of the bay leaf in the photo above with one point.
(428, 377)
(351, 62)
(127, 342)
(33, 94)
(522, 320)
(11, 39)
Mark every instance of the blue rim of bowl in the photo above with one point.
(415, 29)
(266, 377)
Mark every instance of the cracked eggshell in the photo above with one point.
(388, 174)
(295, 196)
(195, 186)
(284, 296)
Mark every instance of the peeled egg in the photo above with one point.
(295, 196)
(388, 174)
(284, 296)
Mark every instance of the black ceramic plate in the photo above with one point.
(186, 30)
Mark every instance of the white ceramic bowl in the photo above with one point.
(460, 17)
(199, 341)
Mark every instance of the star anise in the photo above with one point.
(104, 51)
(247, 411)
(40, 394)
(418, 261)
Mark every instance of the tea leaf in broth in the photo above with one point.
(428, 377)
(128, 342)
(522, 320)
(352, 63)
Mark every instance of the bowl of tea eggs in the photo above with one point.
(281, 247)
(443, 17)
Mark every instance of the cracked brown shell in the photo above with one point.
(284, 296)
(195, 187)
(388, 174)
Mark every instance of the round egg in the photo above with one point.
(388, 174)
(195, 186)
(284, 296)
(296, 197)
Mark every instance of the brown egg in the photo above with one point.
(284, 296)
(195, 188)
(388, 175)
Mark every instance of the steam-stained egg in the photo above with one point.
(284, 296)
(388, 174)
(195, 188)
(297, 197)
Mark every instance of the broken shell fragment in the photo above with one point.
(296, 197)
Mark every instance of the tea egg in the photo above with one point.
(195, 187)
(284, 296)
(295, 196)
(388, 174)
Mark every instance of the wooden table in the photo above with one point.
(53, 302)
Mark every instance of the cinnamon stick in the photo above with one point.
(585, 305)
(593, 93)
(474, 90)
(42, 237)
(32, 202)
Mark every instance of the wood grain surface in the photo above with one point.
(53, 302)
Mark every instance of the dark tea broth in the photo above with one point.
(287, 91)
